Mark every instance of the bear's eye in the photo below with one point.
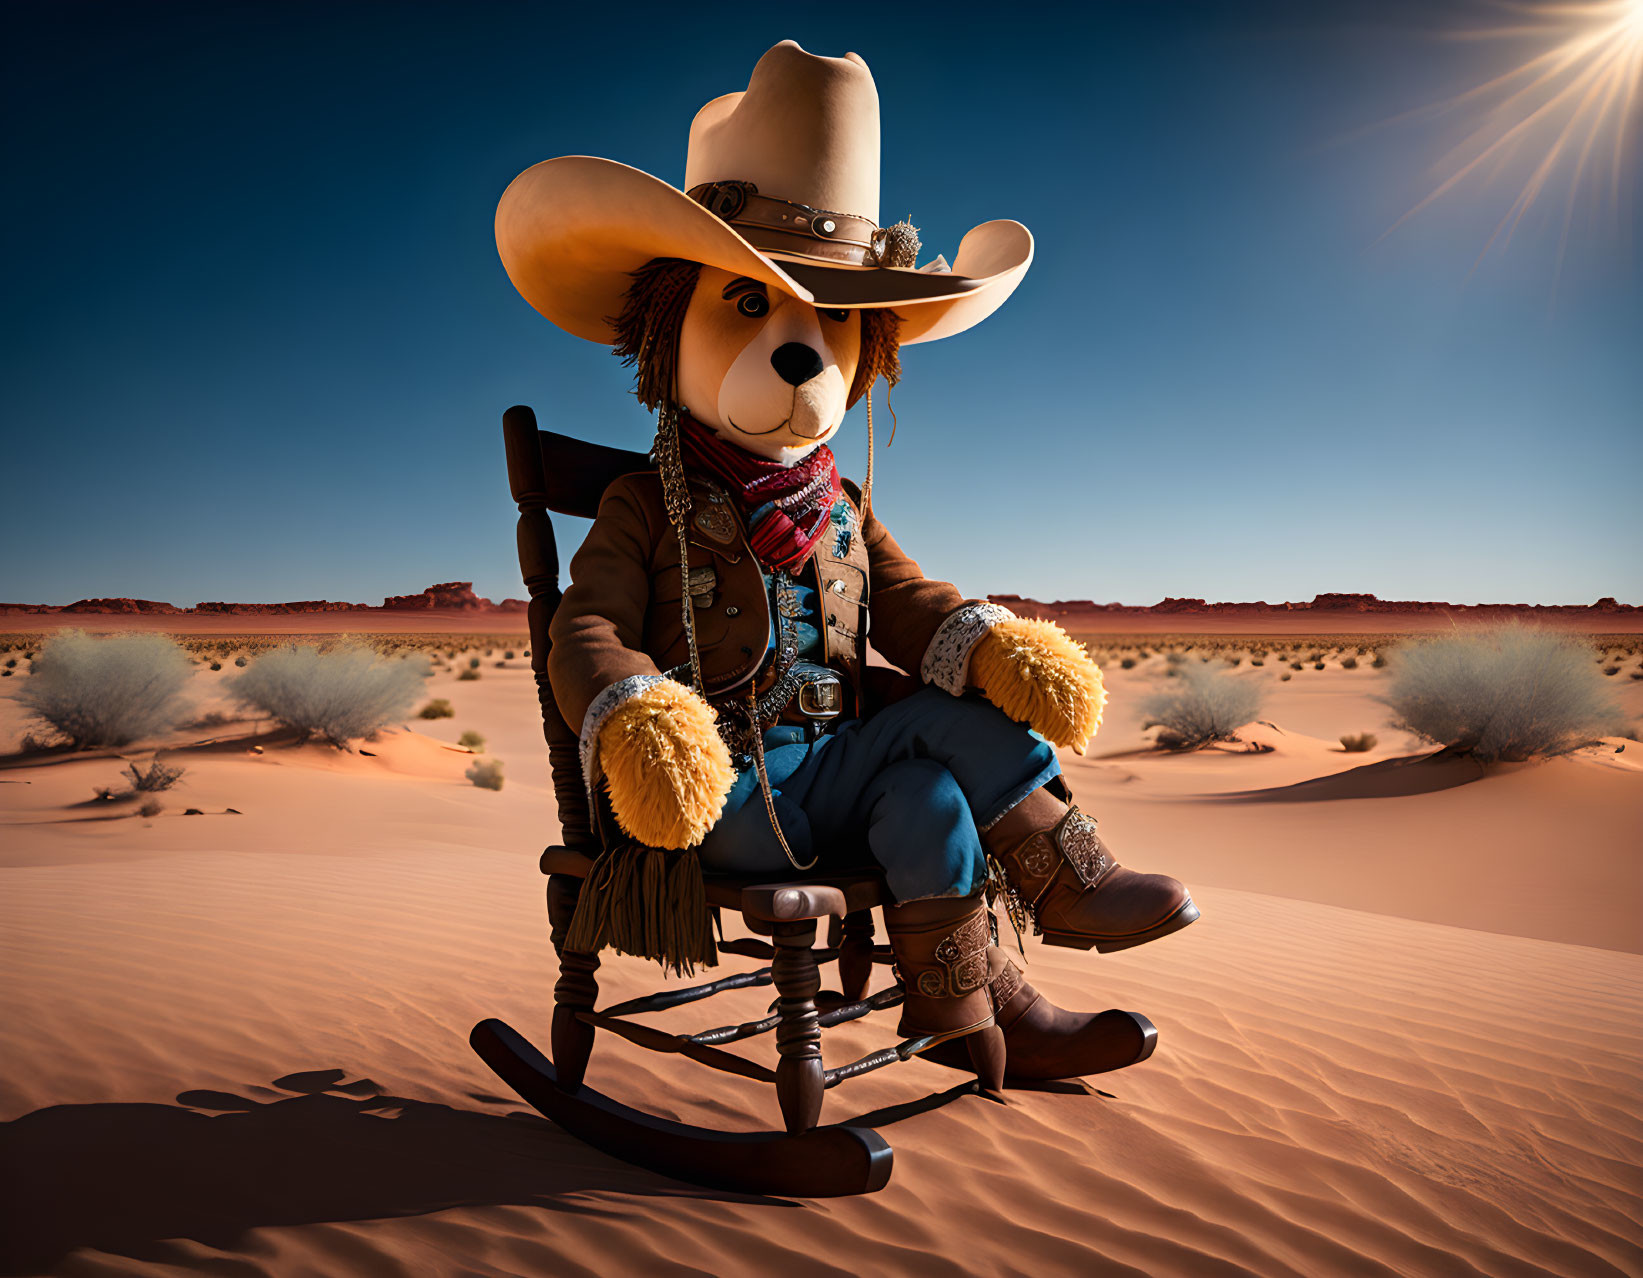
(753, 305)
(837, 316)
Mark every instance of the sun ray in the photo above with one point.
(1551, 112)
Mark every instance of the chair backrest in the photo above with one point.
(568, 476)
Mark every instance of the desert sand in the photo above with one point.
(1406, 1036)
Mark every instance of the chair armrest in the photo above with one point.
(560, 860)
(787, 902)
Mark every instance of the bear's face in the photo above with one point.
(763, 370)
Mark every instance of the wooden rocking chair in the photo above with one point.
(555, 472)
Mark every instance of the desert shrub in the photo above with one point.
(240, 662)
(472, 740)
(7, 673)
(159, 776)
(11, 663)
(508, 655)
(1317, 665)
(1379, 663)
(216, 665)
(1611, 670)
(438, 708)
(1285, 677)
(151, 807)
(473, 663)
(468, 675)
(1357, 743)
(107, 691)
(1207, 705)
(339, 695)
(1509, 694)
(1349, 663)
(1295, 665)
(1257, 661)
(486, 774)
(1128, 663)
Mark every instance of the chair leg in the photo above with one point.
(577, 989)
(856, 955)
(799, 1076)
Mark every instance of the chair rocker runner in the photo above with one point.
(550, 472)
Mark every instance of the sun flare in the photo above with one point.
(1563, 120)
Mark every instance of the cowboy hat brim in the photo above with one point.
(571, 231)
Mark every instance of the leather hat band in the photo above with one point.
(784, 226)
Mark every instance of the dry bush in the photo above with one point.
(151, 807)
(107, 691)
(340, 695)
(1206, 705)
(159, 776)
(438, 708)
(1509, 694)
(1358, 743)
(486, 774)
(472, 740)
(468, 675)
(1349, 663)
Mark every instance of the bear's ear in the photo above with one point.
(647, 330)
(880, 353)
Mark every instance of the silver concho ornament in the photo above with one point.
(1082, 846)
(716, 521)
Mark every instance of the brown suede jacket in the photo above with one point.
(621, 616)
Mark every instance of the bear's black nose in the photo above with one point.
(796, 362)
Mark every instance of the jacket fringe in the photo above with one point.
(646, 902)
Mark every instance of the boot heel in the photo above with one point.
(987, 1057)
(1070, 940)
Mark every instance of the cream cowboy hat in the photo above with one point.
(781, 185)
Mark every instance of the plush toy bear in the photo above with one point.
(712, 646)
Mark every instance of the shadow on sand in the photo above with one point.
(124, 1178)
(1387, 779)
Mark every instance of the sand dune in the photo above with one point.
(237, 1043)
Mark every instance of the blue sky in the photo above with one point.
(257, 340)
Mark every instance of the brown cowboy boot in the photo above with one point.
(940, 946)
(1070, 885)
(1041, 1041)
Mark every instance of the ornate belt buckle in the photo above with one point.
(821, 697)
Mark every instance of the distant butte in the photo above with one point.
(1331, 603)
(446, 596)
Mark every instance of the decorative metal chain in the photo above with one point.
(676, 496)
(747, 735)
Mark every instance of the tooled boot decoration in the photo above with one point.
(1063, 877)
(1042, 1041)
(940, 948)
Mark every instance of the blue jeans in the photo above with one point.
(912, 786)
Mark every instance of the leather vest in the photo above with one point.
(730, 605)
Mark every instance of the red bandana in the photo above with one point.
(787, 508)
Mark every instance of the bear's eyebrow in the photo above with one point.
(741, 284)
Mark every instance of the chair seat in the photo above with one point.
(755, 896)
